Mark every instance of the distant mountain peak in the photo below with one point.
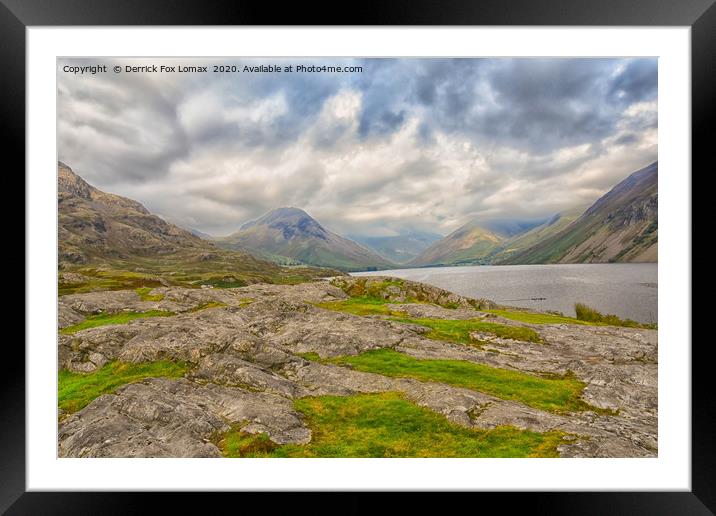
(292, 222)
(290, 232)
(277, 214)
(289, 211)
(70, 183)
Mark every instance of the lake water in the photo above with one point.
(628, 290)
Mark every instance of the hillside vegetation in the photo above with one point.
(109, 242)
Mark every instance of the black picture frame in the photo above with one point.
(700, 15)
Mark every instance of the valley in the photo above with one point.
(260, 345)
(619, 227)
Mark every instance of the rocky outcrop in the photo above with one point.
(175, 418)
(401, 290)
(248, 364)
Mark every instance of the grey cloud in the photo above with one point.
(253, 197)
(540, 123)
(626, 139)
(637, 82)
(119, 128)
(395, 182)
(535, 104)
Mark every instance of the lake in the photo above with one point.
(628, 290)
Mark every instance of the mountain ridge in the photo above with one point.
(290, 232)
(621, 226)
(470, 244)
(110, 242)
(95, 224)
(399, 249)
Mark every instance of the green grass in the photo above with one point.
(537, 318)
(310, 355)
(372, 288)
(226, 269)
(208, 304)
(77, 390)
(124, 317)
(119, 318)
(458, 330)
(387, 425)
(453, 330)
(144, 294)
(559, 394)
(589, 314)
(221, 283)
(108, 279)
(361, 306)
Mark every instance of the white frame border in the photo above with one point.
(670, 471)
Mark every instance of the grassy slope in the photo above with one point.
(552, 248)
(534, 236)
(538, 318)
(609, 212)
(119, 318)
(591, 316)
(468, 244)
(77, 390)
(559, 394)
(386, 425)
(458, 330)
(226, 270)
(144, 294)
(586, 316)
(441, 329)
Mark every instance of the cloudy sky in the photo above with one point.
(406, 144)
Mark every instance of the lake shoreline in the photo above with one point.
(627, 290)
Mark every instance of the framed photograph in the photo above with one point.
(416, 251)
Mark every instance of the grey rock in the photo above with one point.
(245, 369)
(422, 310)
(175, 418)
(408, 290)
(227, 369)
(68, 316)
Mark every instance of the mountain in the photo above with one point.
(94, 224)
(621, 226)
(510, 228)
(470, 244)
(551, 226)
(400, 248)
(201, 234)
(108, 242)
(293, 233)
(475, 243)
